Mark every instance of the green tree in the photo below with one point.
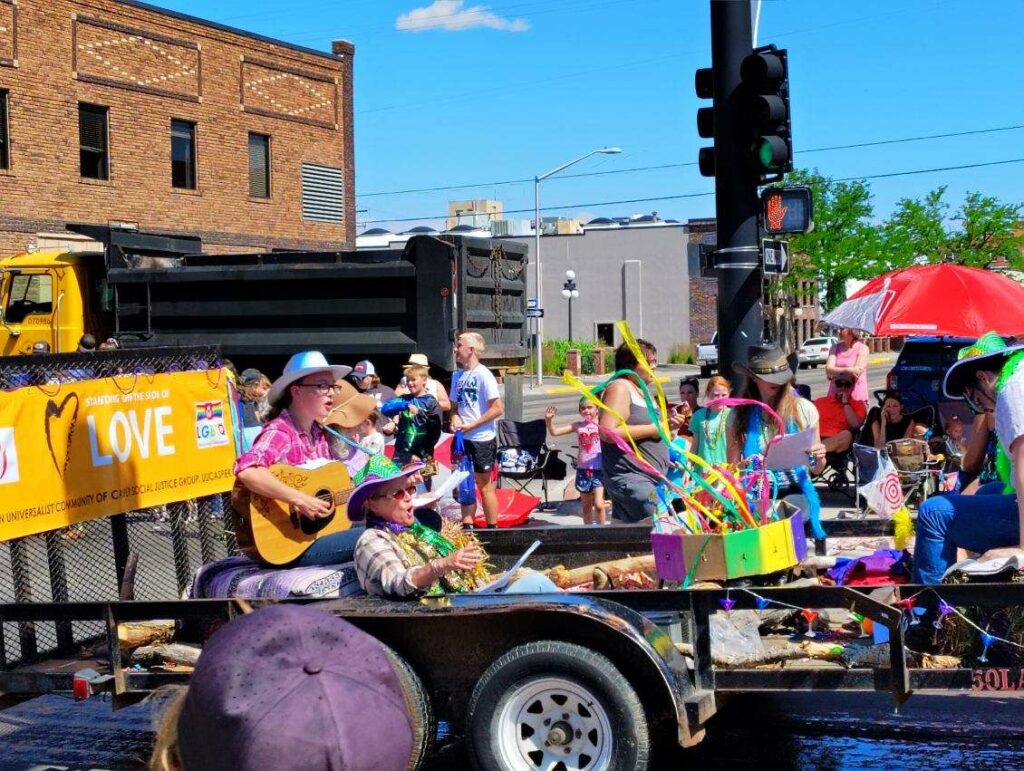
(981, 231)
(844, 244)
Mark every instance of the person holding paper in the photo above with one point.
(770, 377)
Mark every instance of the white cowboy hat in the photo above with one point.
(300, 365)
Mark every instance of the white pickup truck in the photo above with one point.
(707, 356)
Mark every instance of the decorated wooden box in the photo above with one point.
(767, 549)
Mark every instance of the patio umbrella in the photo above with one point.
(942, 300)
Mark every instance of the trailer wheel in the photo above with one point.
(558, 707)
(417, 703)
(705, 370)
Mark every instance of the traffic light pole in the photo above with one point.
(740, 315)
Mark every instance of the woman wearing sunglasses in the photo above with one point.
(396, 556)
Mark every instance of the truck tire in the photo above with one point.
(551, 704)
(705, 370)
(417, 702)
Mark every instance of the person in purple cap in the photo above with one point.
(299, 399)
(289, 687)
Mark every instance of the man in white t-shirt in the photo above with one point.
(989, 375)
(477, 404)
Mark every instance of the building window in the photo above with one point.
(92, 141)
(323, 193)
(5, 151)
(183, 154)
(259, 166)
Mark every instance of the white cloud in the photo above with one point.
(450, 15)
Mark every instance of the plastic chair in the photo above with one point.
(543, 463)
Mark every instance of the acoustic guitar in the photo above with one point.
(272, 531)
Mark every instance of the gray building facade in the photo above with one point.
(636, 273)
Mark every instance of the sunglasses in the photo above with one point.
(409, 491)
(843, 384)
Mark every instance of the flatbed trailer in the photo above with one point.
(458, 646)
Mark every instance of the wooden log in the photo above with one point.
(566, 579)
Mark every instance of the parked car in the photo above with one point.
(921, 367)
(707, 356)
(814, 351)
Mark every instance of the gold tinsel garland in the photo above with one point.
(418, 553)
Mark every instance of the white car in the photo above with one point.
(814, 351)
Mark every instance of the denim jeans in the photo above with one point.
(986, 520)
(333, 549)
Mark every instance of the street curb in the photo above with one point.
(562, 390)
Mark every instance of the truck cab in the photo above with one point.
(52, 296)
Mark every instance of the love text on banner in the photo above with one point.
(80, 451)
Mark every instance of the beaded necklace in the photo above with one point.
(705, 426)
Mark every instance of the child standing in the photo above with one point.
(588, 464)
(419, 422)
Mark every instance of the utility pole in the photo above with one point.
(740, 314)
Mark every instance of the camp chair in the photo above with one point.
(535, 460)
(866, 460)
(839, 473)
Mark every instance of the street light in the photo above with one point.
(570, 293)
(536, 239)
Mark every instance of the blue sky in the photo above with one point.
(503, 90)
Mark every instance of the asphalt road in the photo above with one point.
(779, 731)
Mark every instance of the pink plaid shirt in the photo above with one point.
(280, 441)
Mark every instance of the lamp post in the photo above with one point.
(570, 293)
(536, 246)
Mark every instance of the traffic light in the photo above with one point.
(765, 92)
(788, 209)
(705, 120)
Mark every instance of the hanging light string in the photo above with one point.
(905, 605)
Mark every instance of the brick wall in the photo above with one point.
(149, 68)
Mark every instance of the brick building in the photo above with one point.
(113, 110)
(701, 240)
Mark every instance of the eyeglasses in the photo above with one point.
(321, 388)
(409, 491)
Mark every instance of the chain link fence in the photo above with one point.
(144, 555)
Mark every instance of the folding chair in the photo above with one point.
(533, 458)
(866, 460)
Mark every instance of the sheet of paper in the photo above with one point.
(503, 580)
(441, 490)
(790, 451)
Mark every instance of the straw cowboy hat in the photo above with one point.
(988, 353)
(417, 360)
(350, 407)
(300, 365)
(770, 363)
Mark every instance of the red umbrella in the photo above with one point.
(942, 300)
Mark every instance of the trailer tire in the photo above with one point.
(705, 370)
(417, 702)
(603, 726)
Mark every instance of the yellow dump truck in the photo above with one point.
(53, 296)
(151, 290)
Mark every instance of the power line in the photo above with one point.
(557, 208)
(561, 207)
(831, 148)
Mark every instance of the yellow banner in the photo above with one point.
(80, 451)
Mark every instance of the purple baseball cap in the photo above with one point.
(292, 687)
